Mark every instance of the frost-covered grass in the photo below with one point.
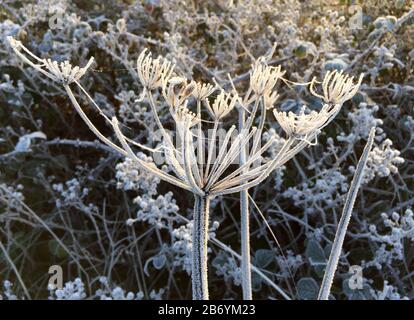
(67, 198)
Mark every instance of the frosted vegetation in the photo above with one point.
(230, 149)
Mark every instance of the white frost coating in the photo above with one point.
(217, 177)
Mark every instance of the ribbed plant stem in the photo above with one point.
(344, 221)
(245, 246)
(245, 226)
(200, 237)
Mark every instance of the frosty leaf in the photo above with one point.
(315, 253)
(356, 294)
(385, 22)
(335, 64)
(56, 249)
(263, 257)
(307, 289)
(159, 261)
(23, 145)
(290, 105)
(256, 282)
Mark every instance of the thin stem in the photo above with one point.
(200, 144)
(88, 122)
(234, 151)
(245, 225)
(268, 167)
(13, 266)
(200, 237)
(188, 160)
(255, 269)
(258, 135)
(246, 165)
(221, 155)
(171, 153)
(149, 167)
(157, 119)
(344, 221)
(211, 149)
(251, 117)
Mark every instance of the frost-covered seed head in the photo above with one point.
(222, 105)
(202, 90)
(176, 90)
(269, 99)
(303, 124)
(153, 72)
(65, 72)
(337, 87)
(184, 118)
(62, 72)
(263, 78)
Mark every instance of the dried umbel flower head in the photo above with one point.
(305, 124)
(263, 78)
(269, 99)
(176, 90)
(218, 176)
(202, 90)
(62, 72)
(153, 72)
(222, 105)
(337, 87)
(184, 117)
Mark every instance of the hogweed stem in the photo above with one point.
(245, 225)
(199, 275)
(344, 221)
